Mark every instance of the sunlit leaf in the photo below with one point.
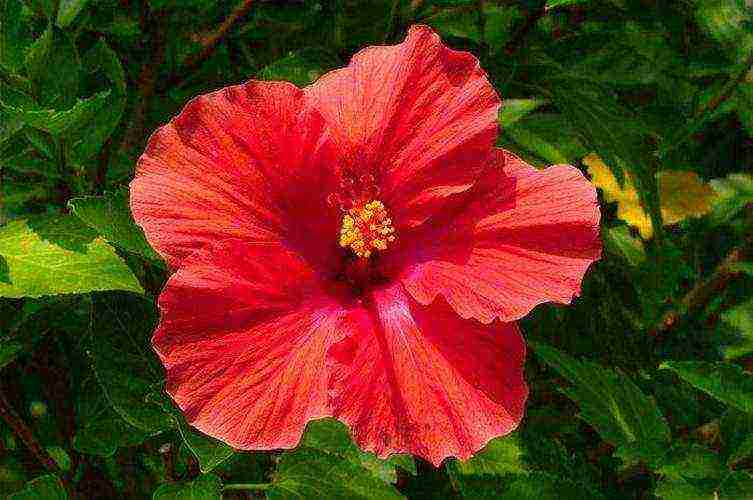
(54, 255)
(728, 22)
(741, 318)
(619, 240)
(733, 193)
(515, 109)
(68, 10)
(682, 195)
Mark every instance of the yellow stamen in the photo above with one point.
(366, 228)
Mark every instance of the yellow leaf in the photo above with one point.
(628, 205)
(682, 194)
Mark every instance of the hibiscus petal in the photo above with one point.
(243, 336)
(524, 237)
(250, 161)
(417, 379)
(418, 116)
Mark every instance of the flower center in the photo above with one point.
(365, 228)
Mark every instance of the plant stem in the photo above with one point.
(392, 21)
(512, 46)
(210, 41)
(20, 429)
(704, 290)
(704, 113)
(146, 83)
(247, 486)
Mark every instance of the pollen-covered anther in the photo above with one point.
(365, 228)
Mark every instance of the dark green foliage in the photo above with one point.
(639, 389)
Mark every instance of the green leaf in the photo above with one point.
(547, 135)
(206, 487)
(55, 89)
(8, 351)
(735, 428)
(743, 453)
(729, 23)
(15, 34)
(723, 381)
(208, 451)
(101, 59)
(618, 240)
(45, 6)
(61, 457)
(679, 489)
(740, 317)
(742, 267)
(110, 216)
(733, 193)
(692, 462)
(553, 4)
(614, 133)
(543, 486)
(333, 437)
(310, 473)
(123, 362)
(105, 433)
(101, 431)
(300, 68)
(59, 122)
(604, 125)
(46, 487)
(12, 476)
(501, 456)
(612, 404)
(466, 21)
(68, 10)
(738, 484)
(743, 103)
(10, 124)
(52, 255)
(515, 109)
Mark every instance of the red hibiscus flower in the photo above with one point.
(357, 249)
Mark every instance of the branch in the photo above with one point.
(247, 486)
(209, 42)
(704, 113)
(512, 46)
(705, 290)
(23, 432)
(392, 22)
(146, 84)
